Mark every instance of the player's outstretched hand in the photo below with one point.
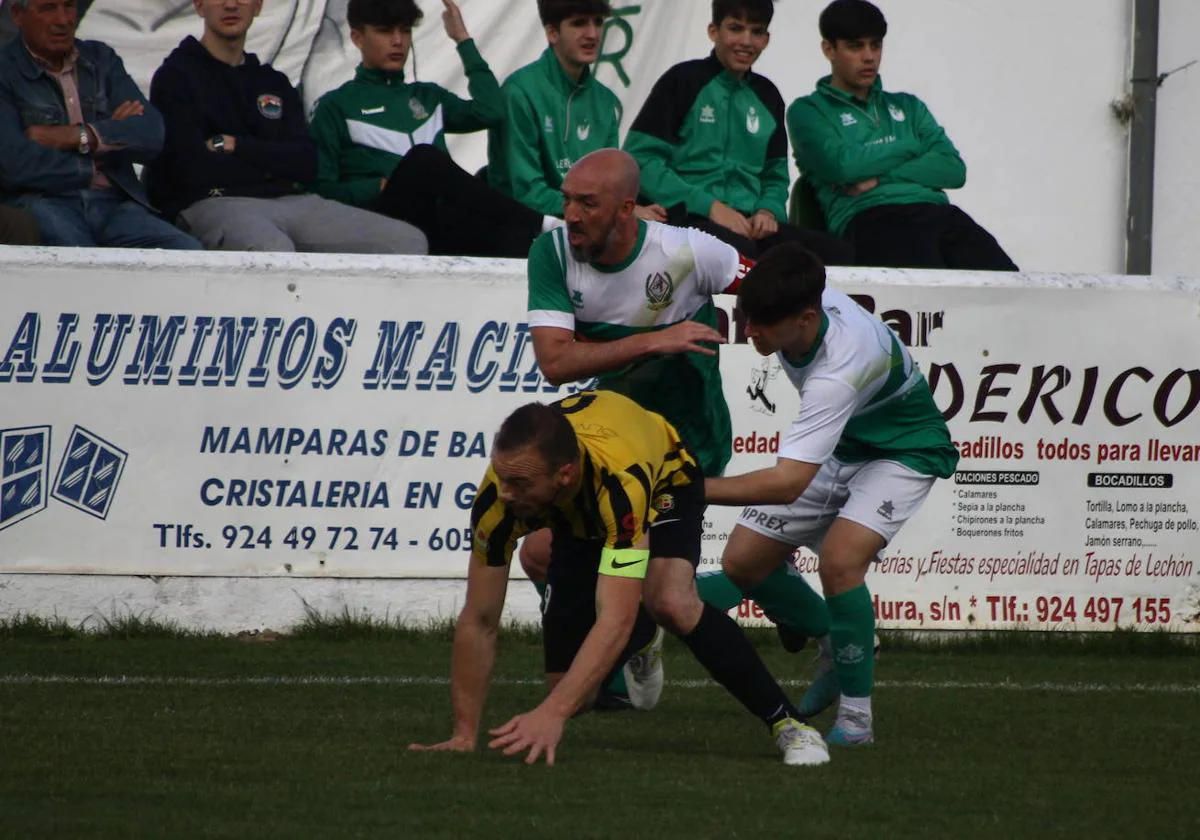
(538, 731)
(687, 337)
(452, 19)
(458, 743)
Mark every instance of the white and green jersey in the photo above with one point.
(670, 276)
(862, 398)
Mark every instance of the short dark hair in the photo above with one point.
(787, 280)
(385, 13)
(554, 12)
(849, 20)
(755, 11)
(543, 427)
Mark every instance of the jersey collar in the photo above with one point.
(806, 359)
(633, 254)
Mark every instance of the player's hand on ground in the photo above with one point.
(763, 224)
(686, 337)
(538, 731)
(651, 212)
(459, 743)
(452, 19)
(726, 216)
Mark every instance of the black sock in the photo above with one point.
(720, 646)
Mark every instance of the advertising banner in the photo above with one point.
(306, 416)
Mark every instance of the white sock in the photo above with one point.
(861, 706)
(549, 223)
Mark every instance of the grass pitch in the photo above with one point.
(136, 733)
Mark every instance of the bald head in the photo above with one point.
(612, 169)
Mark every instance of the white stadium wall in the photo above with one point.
(223, 439)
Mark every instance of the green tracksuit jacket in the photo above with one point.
(552, 121)
(363, 128)
(706, 135)
(840, 140)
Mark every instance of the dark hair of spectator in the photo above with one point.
(543, 427)
(787, 280)
(383, 13)
(851, 20)
(554, 12)
(753, 11)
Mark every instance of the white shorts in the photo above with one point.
(880, 495)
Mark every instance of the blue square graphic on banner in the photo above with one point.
(24, 473)
(90, 471)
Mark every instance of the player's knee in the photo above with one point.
(676, 611)
(840, 573)
(534, 561)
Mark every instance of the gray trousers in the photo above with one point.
(306, 223)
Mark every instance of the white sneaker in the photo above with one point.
(802, 745)
(644, 674)
(852, 728)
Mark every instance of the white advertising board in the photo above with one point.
(304, 416)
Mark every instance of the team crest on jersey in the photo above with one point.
(548, 125)
(582, 131)
(660, 290)
(418, 110)
(708, 114)
(664, 503)
(896, 113)
(270, 106)
(848, 119)
(752, 120)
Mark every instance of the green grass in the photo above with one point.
(1049, 742)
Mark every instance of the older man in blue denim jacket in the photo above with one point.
(72, 124)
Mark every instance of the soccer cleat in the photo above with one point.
(644, 674)
(825, 688)
(851, 729)
(801, 744)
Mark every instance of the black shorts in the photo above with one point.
(570, 604)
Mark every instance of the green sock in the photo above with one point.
(718, 590)
(617, 683)
(786, 597)
(852, 637)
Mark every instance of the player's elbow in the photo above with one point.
(554, 372)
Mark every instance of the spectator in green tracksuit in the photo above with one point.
(879, 161)
(556, 111)
(712, 144)
(381, 139)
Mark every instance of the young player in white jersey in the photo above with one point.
(855, 465)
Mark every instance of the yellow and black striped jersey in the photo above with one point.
(631, 458)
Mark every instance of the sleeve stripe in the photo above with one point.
(551, 318)
(483, 502)
(637, 472)
(497, 554)
(620, 507)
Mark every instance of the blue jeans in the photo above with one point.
(105, 218)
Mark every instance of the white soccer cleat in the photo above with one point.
(802, 745)
(644, 674)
